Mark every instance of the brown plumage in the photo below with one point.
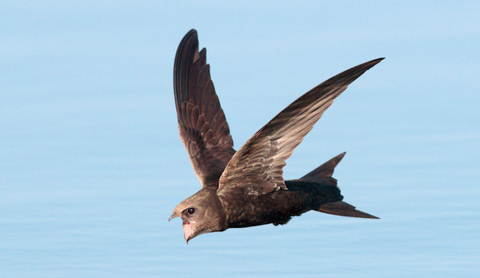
(246, 188)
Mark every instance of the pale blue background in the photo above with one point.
(91, 165)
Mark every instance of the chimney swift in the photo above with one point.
(246, 188)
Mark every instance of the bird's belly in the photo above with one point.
(273, 208)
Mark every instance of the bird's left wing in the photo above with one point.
(258, 164)
(201, 122)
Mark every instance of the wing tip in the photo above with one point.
(346, 77)
(374, 62)
(186, 54)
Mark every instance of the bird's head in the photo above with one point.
(201, 213)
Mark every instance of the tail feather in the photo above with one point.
(323, 175)
(325, 170)
(344, 209)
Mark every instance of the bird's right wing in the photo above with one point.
(258, 164)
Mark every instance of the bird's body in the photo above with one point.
(277, 207)
(246, 188)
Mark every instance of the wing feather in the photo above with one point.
(202, 124)
(258, 164)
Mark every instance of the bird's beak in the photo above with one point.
(174, 214)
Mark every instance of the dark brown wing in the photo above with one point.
(258, 164)
(202, 125)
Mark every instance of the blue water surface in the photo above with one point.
(91, 165)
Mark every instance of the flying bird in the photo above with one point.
(246, 188)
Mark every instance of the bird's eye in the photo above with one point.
(191, 210)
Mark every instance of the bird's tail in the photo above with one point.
(323, 174)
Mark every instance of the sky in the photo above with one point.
(91, 165)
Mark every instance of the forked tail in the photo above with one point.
(324, 173)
